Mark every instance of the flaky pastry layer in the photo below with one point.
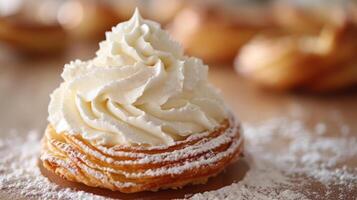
(138, 168)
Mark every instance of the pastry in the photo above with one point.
(215, 34)
(325, 62)
(304, 19)
(32, 37)
(31, 27)
(140, 116)
(161, 11)
(87, 20)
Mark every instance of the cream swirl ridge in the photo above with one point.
(139, 89)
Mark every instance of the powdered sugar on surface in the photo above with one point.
(20, 177)
(288, 159)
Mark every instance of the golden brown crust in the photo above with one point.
(135, 168)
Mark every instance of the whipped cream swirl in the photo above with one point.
(139, 89)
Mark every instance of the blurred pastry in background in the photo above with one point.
(31, 29)
(87, 20)
(324, 62)
(39, 26)
(32, 37)
(162, 11)
(214, 33)
(305, 18)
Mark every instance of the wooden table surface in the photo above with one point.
(25, 85)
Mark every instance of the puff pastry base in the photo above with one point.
(130, 169)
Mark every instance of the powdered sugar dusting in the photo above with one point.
(287, 158)
(20, 177)
(289, 161)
